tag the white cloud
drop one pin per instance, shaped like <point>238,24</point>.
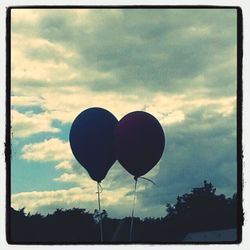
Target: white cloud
<point>114,199</point>
<point>65,104</point>
<point>28,68</point>
<point>71,101</point>
<point>49,150</point>
<point>74,197</point>
<point>54,66</point>
<point>171,118</point>
<point>24,125</point>
<point>81,179</point>
<point>26,101</point>
<point>33,200</point>
<point>25,16</point>
<point>66,165</point>
<point>47,71</point>
<point>171,109</point>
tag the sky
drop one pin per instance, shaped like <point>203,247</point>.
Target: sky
<point>177,64</point>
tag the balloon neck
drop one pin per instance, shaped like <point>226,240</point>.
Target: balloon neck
<point>135,178</point>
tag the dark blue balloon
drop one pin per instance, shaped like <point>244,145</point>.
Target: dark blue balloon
<point>139,142</point>
<point>91,139</point>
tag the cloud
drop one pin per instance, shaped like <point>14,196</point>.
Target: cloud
<point>177,64</point>
<point>26,101</point>
<point>66,165</point>
<point>24,16</point>
<point>201,148</point>
<point>28,67</point>
<point>33,200</point>
<point>52,149</point>
<point>170,65</point>
<point>161,55</point>
<point>166,54</point>
<point>74,197</point>
<point>65,104</point>
<point>80,179</point>
<point>24,125</point>
<point>117,200</point>
<point>171,109</point>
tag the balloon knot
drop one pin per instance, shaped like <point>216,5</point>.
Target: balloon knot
<point>135,178</point>
<point>100,186</point>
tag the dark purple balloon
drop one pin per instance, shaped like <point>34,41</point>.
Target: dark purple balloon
<point>139,142</point>
<point>92,139</point>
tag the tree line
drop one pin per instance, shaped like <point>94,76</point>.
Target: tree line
<point>200,210</point>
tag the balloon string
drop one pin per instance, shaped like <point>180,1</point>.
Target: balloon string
<point>147,179</point>
<point>133,210</point>
<point>99,206</point>
<point>100,186</point>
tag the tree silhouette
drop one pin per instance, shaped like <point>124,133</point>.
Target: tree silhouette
<point>203,210</point>
<point>200,210</point>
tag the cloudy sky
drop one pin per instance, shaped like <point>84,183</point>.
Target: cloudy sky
<point>177,64</point>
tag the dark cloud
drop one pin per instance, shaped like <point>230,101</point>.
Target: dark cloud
<point>162,50</point>
<point>201,148</point>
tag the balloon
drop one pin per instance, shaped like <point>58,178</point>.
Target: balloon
<point>139,142</point>
<point>91,139</point>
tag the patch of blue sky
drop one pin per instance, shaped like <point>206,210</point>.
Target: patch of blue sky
<point>34,175</point>
<point>28,176</point>
<point>64,129</point>
<point>28,109</point>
